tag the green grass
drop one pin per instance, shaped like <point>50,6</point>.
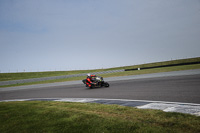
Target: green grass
<point>17,76</point>
<point>62,117</point>
<point>165,63</point>
<point>125,73</point>
<point>47,81</point>
<point>28,75</point>
<point>154,70</point>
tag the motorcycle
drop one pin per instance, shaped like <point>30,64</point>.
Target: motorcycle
<point>97,81</point>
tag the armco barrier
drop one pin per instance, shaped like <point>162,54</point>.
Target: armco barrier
<point>55,77</point>
<point>180,64</point>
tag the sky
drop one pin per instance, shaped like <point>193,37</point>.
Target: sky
<point>54,35</point>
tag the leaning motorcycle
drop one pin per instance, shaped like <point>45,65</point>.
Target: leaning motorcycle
<point>97,81</point>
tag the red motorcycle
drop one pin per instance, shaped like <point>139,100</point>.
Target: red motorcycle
<point>97,81</point>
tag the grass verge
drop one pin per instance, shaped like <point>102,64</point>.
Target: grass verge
<point>29,75</point>
<point>125,73</point>
<point>44,116</point>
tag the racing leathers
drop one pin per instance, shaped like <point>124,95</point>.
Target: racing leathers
<point>89,80</point>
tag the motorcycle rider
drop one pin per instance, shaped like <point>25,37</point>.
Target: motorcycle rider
<point>89,81</point>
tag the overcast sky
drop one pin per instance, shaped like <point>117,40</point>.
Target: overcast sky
<point>44,35</point>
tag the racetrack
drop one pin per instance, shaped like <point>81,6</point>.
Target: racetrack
<point>185,88</point>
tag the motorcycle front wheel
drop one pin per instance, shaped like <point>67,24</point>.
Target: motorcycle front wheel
<point>106,84</point>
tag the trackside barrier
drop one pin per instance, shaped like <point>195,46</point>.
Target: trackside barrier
<point>53,78</point>
<point>180,64</point>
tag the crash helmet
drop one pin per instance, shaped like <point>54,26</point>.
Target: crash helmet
<point>88,74</point>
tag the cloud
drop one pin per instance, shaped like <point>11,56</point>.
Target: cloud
<point>122,33</point>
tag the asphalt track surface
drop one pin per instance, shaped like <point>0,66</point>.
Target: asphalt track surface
<point>184,88</point>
